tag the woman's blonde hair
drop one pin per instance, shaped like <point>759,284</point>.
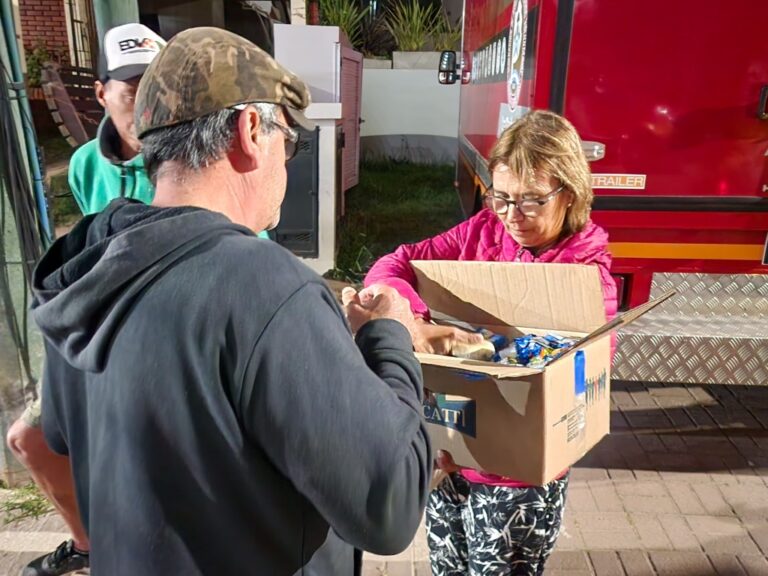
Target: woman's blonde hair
<point>545,142</point>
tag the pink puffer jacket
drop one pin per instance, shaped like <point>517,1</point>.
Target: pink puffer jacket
<point>484,238</point>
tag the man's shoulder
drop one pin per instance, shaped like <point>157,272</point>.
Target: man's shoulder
<point>86,152</point>
<point>258,277</point>
<point>87,161</point>
<point>262,262</point>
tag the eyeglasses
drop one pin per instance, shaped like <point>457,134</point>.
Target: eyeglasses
<point>527,206</point>
<point>291,134</point>
<point>291,139</point>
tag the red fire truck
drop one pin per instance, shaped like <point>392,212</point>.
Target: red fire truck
<point>671,101</point>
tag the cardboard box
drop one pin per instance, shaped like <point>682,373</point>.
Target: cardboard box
<point>525,423</point>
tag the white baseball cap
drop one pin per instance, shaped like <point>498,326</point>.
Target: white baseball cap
<point>127,51</point>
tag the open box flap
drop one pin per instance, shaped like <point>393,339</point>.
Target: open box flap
<point>488,368</point>
<point>620,321</point>
<point>565,297</point>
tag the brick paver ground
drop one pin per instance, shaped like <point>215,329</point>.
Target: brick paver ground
<point>679,488</point>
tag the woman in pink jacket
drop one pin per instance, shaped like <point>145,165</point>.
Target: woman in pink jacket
<point>537,211</point>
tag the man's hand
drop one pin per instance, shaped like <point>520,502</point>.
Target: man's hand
<point>376,302</point>
<point>379,301</point>
<point>436,339</point>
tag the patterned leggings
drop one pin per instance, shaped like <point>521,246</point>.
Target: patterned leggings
<point>480,530</point>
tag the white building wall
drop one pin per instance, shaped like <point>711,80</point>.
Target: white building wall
<point>408,115</point>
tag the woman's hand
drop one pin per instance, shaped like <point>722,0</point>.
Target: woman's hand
<point>436,339</point>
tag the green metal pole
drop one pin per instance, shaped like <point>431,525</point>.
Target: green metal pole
<point>13,381</point>
<point>28,136</point>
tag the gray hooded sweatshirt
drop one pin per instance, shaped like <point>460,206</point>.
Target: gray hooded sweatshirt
<point>219,416</point>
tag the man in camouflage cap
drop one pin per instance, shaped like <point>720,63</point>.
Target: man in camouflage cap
<point>219,416</point>
<point>206,72</point>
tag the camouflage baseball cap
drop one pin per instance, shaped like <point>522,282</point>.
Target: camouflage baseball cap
<point>205,70</point>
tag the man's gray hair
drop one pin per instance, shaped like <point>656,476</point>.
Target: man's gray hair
<point>198,143</point>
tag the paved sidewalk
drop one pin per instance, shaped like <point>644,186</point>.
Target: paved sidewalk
<point>679,488</point>
<point>26,540</point>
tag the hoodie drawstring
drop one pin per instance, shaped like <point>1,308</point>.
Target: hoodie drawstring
<point>123,176</point>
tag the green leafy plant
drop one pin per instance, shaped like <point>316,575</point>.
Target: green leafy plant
<point>412,24</point>
<point>347,15</point>
<point>446,35</point>
<point>25,502</point>
<point>36,58</point>
<point>353,264</point>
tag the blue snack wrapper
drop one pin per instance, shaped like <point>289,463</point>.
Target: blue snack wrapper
<point>556,341</point>
<point>527,348</point>
<point>531,350</point>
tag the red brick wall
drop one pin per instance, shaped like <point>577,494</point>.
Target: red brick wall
<point>44,22</point>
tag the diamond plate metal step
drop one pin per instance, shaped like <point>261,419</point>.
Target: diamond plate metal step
<point>715,331</point>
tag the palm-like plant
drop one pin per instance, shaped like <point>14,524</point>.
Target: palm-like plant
<point>347,15</point>
<point>446,35</point>
<point>375,37</point>
<point>412,24</point>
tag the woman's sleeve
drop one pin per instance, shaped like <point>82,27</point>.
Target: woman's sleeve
<point>610,295</point>
<point>395,269</point>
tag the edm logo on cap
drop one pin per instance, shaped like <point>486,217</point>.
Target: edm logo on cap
<point>132,44</point>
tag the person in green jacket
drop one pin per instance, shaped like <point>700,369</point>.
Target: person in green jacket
<point>110,166</point>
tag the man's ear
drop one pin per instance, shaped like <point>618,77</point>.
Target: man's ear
<point>99,89</point>
<point>250,136</point>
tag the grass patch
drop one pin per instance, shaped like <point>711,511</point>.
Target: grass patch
<point>65,209</point>
<point>25,502</point>
<point>394,203</point>
<point>55,149</point>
